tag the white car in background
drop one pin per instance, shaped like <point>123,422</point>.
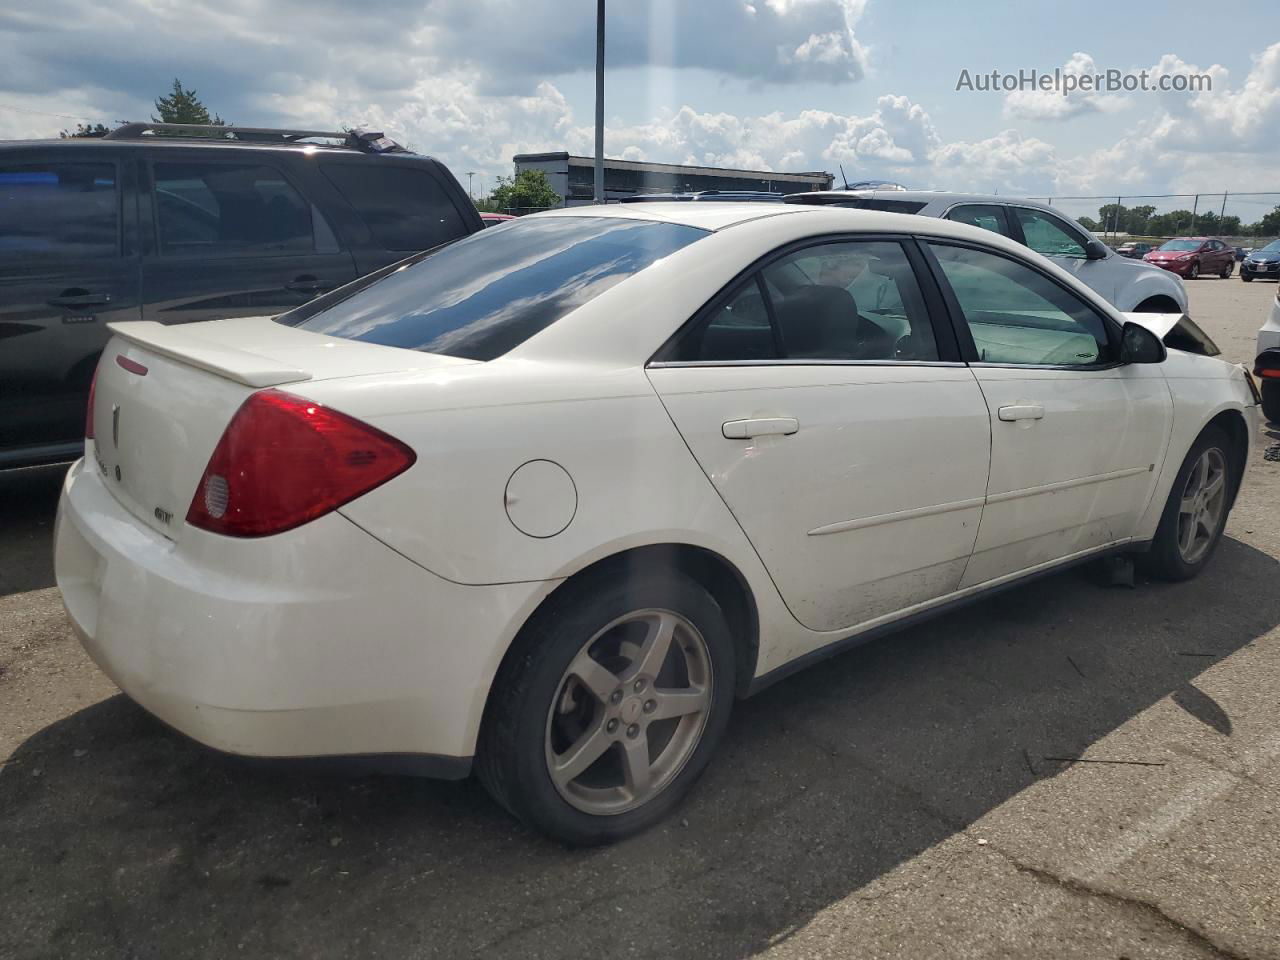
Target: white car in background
<point>545,501</point>
<point>1130,285</point>
<point>1268,363</point>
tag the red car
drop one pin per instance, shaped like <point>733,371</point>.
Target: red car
<point>493,219</point>
<point>1189,257</point>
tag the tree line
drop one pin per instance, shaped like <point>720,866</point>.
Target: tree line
<point>1143,221</point>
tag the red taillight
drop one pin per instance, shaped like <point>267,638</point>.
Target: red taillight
<point>283,461</point>
<point>88,416</point>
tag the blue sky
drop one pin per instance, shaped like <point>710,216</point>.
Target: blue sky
<point>782,84</point>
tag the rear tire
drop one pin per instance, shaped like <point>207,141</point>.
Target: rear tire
<point>1271,400</point>
<point>1196,512</point>
<point>1226,271</point>
<point>594,733</point>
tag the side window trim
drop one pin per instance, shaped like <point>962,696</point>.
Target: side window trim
<point>943,328</point>
<point>960,326</point>
<point>147,197</point>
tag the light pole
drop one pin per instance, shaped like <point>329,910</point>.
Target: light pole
<point>599,166</point>
<point>470,174</point>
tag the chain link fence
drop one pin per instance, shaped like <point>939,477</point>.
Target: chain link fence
<point>1240,219</point>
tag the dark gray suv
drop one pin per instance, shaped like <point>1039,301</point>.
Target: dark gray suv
<point>176,224</point>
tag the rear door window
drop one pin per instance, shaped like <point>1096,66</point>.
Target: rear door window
<point>405,208</point>
<point>69,210</point>
<point>225,210</point>
<point>489,292</point>
<point>988,216</point>
<point>1049,236</point>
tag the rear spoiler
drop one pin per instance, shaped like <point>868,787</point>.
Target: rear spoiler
<point>183,343</point>
<point>1178,331</point>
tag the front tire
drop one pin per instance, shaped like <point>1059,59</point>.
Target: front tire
<point>1245,277</point>
<point>609,707</point>
<point>1195,514</point>
<point>1194,272</point>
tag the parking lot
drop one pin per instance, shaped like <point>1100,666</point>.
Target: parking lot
<point>1065,770</point>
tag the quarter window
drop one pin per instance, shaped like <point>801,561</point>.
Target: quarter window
<point>229,210</point>
<point>67,210</point>
<point>1047,235</point>
<point>1017,315</point>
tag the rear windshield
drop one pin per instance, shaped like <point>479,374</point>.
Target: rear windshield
<point>489,292</point>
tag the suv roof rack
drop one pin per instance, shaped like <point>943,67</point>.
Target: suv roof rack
<point>702,195</point>
<point>363,140</point>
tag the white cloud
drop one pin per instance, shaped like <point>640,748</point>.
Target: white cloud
<point>448,78</point>
<point>1054,105</point>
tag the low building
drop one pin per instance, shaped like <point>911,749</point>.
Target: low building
<point>573,178</point>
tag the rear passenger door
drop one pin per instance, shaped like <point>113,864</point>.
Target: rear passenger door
<point>403,204</point>
<point>68,267</point>
<point>836,422</point>
<point>232,236</point>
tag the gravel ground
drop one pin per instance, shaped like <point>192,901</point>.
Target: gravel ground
<point>1066,770</point>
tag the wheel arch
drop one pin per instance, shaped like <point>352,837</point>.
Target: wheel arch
<point>1232,423</point>
<point>719,576</point>
<point>1158,303</point>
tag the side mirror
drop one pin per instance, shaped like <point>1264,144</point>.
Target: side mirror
<point>1140,345</point>
<point>1095,250</point>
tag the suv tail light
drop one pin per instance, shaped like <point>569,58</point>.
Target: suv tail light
<point>88,416</point>
<point>283,461</point>
<point>1267,364</point>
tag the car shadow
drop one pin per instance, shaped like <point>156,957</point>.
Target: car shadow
<point>125,839</point>
<point>28,503</point>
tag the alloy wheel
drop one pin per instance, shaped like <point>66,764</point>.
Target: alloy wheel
<point>629,712</point>
<point>1203,505</point>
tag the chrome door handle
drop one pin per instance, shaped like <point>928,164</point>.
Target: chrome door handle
<point>1022,411</point>
<point>766,427</point>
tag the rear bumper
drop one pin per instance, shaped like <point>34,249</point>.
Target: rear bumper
<point>319,642</point>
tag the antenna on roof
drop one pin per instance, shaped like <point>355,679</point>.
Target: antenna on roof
<point>842,176</point>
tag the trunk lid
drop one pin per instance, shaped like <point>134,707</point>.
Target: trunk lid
<point>165,394</point>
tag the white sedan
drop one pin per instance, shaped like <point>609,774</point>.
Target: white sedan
<point>543,502</point>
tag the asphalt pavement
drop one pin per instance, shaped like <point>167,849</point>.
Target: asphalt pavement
<point>1065,770</point>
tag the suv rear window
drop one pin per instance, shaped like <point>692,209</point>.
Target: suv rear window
<point>489,292</point>
<point>59,209</point>
<point>404,208</point>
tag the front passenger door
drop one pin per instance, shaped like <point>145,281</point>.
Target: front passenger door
<point>839,428</point>
<point>1075,435</point>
